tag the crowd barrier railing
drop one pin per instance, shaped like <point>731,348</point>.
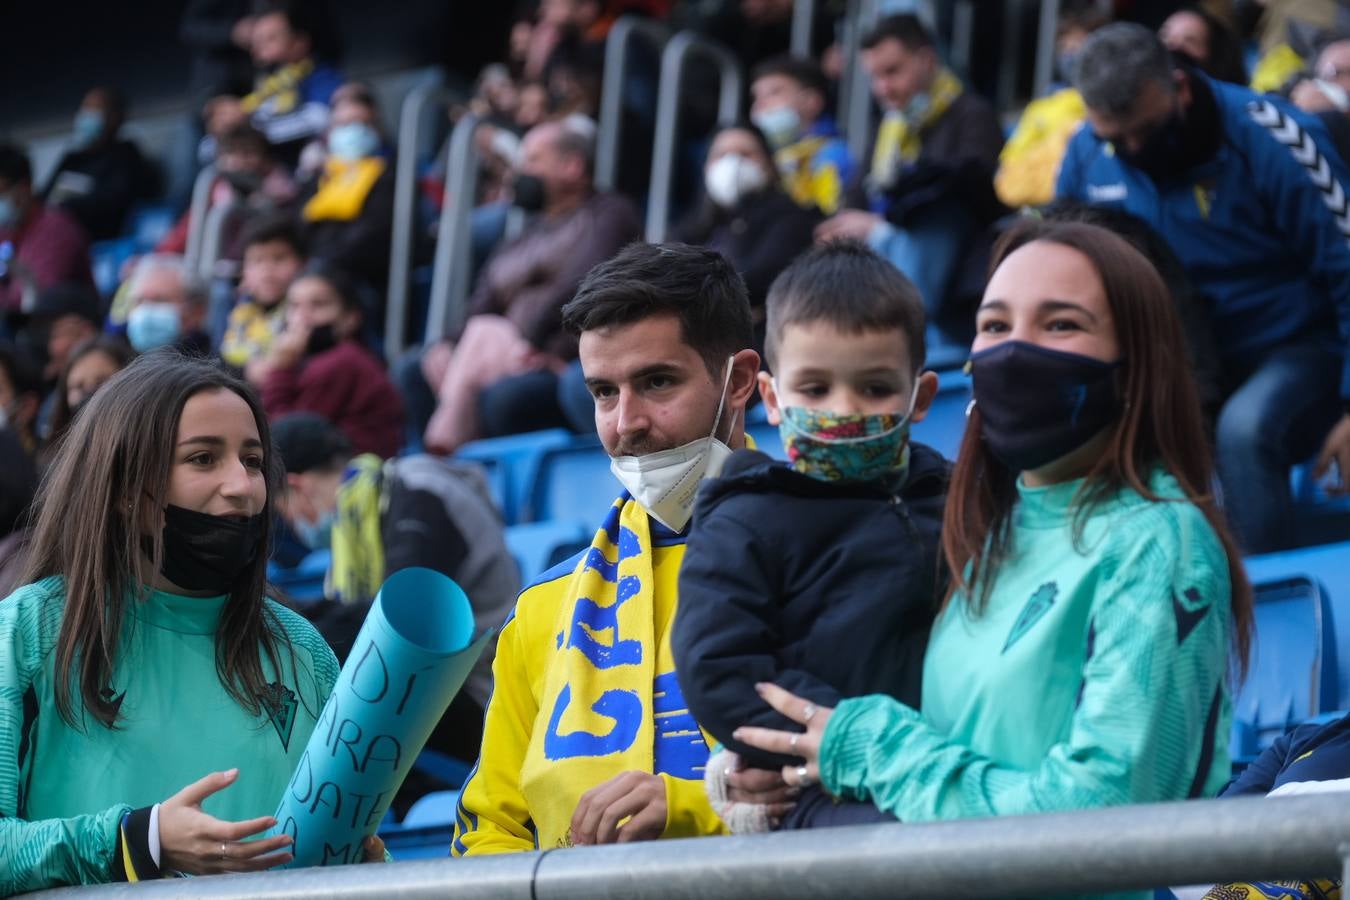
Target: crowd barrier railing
<point>609,128</point>
<point>1117,849</point>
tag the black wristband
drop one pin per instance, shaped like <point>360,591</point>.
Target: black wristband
<point>131,859</point>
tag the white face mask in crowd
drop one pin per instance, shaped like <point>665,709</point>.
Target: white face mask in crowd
<point>733,177</point>
<point>665,483</point>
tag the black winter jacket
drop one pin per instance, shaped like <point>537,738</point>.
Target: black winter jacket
<point>825,589</point>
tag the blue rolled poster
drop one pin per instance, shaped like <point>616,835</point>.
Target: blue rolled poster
<point>411,657</point>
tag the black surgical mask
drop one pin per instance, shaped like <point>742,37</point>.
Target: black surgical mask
<point>1160,156</point>
<point>243,181</point>
<point>208,553</point>
<point>528,192</point>
<point>1038,405</point>
<point>321,338</point>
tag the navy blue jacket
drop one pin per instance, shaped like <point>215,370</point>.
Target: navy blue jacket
<point>1308,753</point>
<point>825,589</point>
<point>1253,228</point>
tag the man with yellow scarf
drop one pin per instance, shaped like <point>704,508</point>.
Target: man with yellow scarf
<point>931,184</point>
<point>587,738</point>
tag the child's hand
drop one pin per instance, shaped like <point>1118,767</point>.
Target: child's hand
<point>791,743</point>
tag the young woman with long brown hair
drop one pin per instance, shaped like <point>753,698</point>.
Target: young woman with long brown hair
<point>143,652</point>
<point>1082,657</point>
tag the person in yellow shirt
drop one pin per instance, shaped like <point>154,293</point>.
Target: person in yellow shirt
<point>274,256</point>
<point>587,737</point>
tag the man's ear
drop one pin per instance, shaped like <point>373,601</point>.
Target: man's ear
<point>744,377</point>
<point>772,409</point>
<point>1183,88</point>
<point>923,400</point>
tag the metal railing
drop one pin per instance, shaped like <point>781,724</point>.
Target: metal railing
<point>1118,849</point>
<point>201,202</point>
<point>609,130</point>
<point>412,117</point>
<point>803,22</point>
<point>857,92</point>
<point>450,272</point>
<point>213,239</point>
<point>677,54</point>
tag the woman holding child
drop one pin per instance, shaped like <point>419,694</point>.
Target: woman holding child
<point>1082,654</point>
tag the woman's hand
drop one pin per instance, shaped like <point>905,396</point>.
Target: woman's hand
<point>791,743</point>
<point>193,842</point>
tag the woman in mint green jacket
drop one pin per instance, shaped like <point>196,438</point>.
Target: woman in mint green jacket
<point>144,654</point>
<point>1082,657</point>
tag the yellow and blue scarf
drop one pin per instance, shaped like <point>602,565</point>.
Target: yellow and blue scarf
<point>281,88</point>
<point>597,715</point>
<point>343,189</point>
<point>357,570</point>
<point>899,138</point>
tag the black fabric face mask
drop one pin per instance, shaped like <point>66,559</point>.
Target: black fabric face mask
<point>1037,405</point>
<point>207,553</point>
<point>321,338</point>
<point>528,192</point>
<point>1184,141</point>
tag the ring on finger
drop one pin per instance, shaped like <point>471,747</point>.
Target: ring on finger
<point>223,854</point>
<point>803,777</point>
<point>792,741</point>
<point>808,711</point>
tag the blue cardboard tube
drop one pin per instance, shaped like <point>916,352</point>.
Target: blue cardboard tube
<point>411,657</point>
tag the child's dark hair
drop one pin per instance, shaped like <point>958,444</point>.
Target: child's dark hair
<point>851,287</point>
<point>274,228</point>
<point>804,71</point>
<point>348,291</point>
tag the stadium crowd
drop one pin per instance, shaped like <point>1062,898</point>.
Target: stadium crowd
<point>1146,272</point>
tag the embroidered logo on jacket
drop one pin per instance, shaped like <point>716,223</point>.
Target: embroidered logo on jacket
<point>279,705</point>
<point>1033,612</point>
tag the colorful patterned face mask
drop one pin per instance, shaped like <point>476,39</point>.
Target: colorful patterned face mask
<point>855,447</point>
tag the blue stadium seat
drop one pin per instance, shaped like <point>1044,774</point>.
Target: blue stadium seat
<point>106,258</point>
<point>1329,566</point>
<point>436,808</point>
<point>574,484</point>
<point>539,546</point>
<point>427,829</point>
<point>304,583</point>
<point>148,223</point>
<point>445,769</point>
<point>1293,670</point>
<point>516,458</point>
<point>945,423</point>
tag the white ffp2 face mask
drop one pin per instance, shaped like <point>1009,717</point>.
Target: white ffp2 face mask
<point>665,483</point>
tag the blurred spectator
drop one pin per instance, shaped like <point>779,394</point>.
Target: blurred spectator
<point>348,213</point>
<point>249,178</point>
<point>166,306</point>
<point>1030,159</point>
<point>87,367</point>
<point>515,323</point>
<point>1208,41</point>
<point>18,484</point>
<point>274,255</point>
<point>220,35</point>
<point>535,105</point>
<point>39,245</point>
<point>756,30</point>
<point>220,115</point>
<point>65,315</point>
<point>496,99</point>
<point>380,517</point>
<point>319,365</point>
<point>1327,93</point>
<point>20,397</point>
<point>931,185</point>
<point>293,87</point>
<point>101,176</point>
<point>791,99</point>
<point>746,216</point>
<point>1211,167</point>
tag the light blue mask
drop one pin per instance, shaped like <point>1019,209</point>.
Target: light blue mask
<point>88,128</point>
<point>316,535</point>
<point>353,141</point>
<point>9,212</point>
<point>780,125</point>
<point>153,325</point>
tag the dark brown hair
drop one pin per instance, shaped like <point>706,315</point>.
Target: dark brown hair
<point>100,509</point>
<point>1160,426</point>
<point>115,348</point>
